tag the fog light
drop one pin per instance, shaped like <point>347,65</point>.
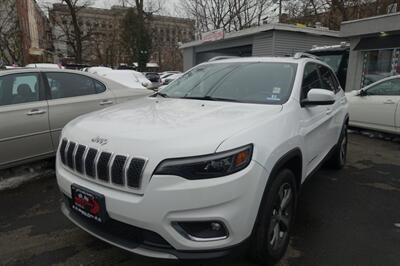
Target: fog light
<point>202,231</point>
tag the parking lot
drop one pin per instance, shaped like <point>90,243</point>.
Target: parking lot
<point>350,217</point>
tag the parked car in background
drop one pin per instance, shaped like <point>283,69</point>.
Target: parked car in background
<point>209,164</point>
<point>171,78</point>
<point>44,65</point>
<point>35,104</point>
<point>336,56</point>
<point>376,106</point>
<point>154,78</point>
<point>129,78</point>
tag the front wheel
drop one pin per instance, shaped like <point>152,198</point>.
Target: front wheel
<point>271,233</point>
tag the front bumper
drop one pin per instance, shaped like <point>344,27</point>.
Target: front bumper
<point>233,200</point>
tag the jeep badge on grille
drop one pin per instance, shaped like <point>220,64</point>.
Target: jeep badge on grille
<point>101,141</point>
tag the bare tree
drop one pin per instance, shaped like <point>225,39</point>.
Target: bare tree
<point>10,34</point>
<point>71,31</point>
<point>332,12</point>
<point>226,14</point>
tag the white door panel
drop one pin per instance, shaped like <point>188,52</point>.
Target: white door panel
<point>314,125</point>
<point>375,112</point>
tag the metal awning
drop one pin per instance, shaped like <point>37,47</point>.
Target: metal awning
<point>377,43</point>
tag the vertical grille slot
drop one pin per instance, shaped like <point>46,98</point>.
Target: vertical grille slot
<point>134,173</point>
<point>62,150</point>
<point>89,162</point>
<point>79,158</point>
<point>70,154</point>
<point>117,170</point>
<point>102,166</point>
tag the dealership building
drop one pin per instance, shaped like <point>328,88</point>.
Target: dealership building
<point>266,40</point>
<point>375,49</point>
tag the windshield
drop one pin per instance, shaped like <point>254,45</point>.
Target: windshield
<point>332,60</point>
<point>261,82</point>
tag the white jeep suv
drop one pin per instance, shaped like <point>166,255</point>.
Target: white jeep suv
<point>212,163</point>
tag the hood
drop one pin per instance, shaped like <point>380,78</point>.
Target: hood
<point>158,127</point>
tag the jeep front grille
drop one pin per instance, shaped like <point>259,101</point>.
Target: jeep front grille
<point>105,167</point>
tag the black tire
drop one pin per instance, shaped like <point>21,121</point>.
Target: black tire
<point>339,156</point>
<point>271,232</point>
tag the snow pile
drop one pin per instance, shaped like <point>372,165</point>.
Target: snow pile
<point>15,177</point>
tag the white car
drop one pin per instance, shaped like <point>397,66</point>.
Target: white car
<point>377,106</point>
<point>128,78</point>
<point>213,162</point>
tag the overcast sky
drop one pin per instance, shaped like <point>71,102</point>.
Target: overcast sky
<point>168,4</point>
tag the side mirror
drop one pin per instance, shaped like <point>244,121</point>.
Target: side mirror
<point>145,84</point>
<point>363,93</point>
<point>318,97</point>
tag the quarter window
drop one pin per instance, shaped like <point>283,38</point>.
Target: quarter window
<point>65,85</point>
<point>19,88</point>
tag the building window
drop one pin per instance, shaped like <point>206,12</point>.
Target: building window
<point>379,64</point>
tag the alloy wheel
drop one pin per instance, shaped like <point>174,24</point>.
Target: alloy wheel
<point>281,219</point>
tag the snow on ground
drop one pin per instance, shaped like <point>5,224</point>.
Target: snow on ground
<point>15,177</point>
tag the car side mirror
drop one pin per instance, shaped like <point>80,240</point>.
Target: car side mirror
<point>363,93</point>
<point>318,97</point>
<point>145,84</point>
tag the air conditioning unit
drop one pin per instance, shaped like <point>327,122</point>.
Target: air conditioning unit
<point>392,8</point>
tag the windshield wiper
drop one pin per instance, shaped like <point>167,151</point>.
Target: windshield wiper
<point>210,98</point>
<point>160,94</point>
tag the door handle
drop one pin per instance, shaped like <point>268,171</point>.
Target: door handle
<point>328,111</point>
<point>343,101</point>
<point>389,102</point>
<point>35,112</point>
<point>106,102</point>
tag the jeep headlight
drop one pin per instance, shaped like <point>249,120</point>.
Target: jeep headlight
<point>207,166</point>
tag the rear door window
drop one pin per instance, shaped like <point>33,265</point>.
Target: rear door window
<point>66,85</point>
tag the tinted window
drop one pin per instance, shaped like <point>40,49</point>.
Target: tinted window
<point>64,85</point>
<point>262,82</point>
<point>390,87</point>
<point>99,87</point>
<point>332,60</point>
<point>19,88</point>
<point>328,79</point>
<point>311,80</point>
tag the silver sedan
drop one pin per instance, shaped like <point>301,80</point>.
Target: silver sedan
<point>35,104</point>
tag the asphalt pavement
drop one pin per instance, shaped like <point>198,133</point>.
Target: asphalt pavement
<point>347,217</point>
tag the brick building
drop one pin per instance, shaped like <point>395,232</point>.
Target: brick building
<point>36,37</point>
<point>26,35</point>
<point>101,31</point>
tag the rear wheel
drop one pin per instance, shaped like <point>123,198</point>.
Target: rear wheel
<point>271,233</point>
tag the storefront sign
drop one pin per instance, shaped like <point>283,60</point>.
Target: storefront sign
<point>213,35</point>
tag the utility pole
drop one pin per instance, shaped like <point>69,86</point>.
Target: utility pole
<point>280,10</point>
